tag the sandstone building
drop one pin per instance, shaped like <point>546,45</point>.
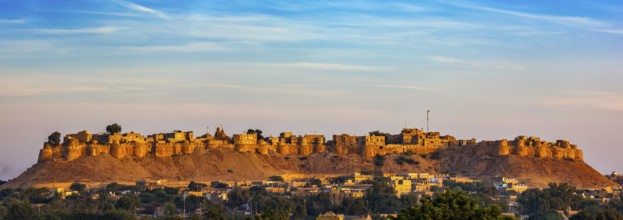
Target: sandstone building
<point>409,140</point>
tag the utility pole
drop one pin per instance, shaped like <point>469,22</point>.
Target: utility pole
<point>427,129</point>
<point>184,195</point>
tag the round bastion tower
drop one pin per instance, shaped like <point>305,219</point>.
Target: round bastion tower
<point>503,148</point>
<point>542,150</point>
<point>117,151</point>
<point>46,153</point>
<point>520,146</point>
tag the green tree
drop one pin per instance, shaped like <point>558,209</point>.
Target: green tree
<point>128,202</point>
<point>598,213</point>
<point>113,128</point>
<point>238,197</point>
<point>193,186</point>
<point>275,178</point>
<point>170,209</point>
<point>450,205</point>
<point>20,210</point>
<point>354,206</point>
<point>543,202</point>
<point>275,207</point>
<point>318,204</point>
<point>54,138</point>
<point>256,131</point>
<point>117,215</point>
<point>546,214</point>
<point>313,182</point>
<point>379,161</point>
<point>381,197</point>
<point>214,211</point>
<point>105,202</point>
<point>78,187</point>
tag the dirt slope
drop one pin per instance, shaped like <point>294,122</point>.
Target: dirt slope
<point>230,165</point>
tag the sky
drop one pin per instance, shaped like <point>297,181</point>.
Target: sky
<point>485,69</point>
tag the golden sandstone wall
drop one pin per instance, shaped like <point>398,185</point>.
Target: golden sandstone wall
<point>74,148</point>
<point>531,147</point>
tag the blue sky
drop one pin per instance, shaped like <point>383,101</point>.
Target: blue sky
<point>485,69</point>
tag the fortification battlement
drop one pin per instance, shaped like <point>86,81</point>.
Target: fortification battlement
<point>529,147</point>
<point>409,140</point>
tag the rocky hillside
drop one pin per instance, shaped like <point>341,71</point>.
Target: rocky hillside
<point>230,165</point>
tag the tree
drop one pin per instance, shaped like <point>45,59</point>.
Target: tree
<point>78,187</point>
<point>598,213</point>
<point>193,186</point>
<point>381,197</point>
<point>20,210</point>
<point>275,207</point>
<point>450,205</point>
<point>128,202</point>
<point>379,161</point>
<point>313,182</point>
<point>3,212</point>
<point>238,197</point>
<point>214,211</point>
<point>54,138</point>
<point>543,202</point>
<point>170,209</point>
<point>354,206</point>
<point>113,128</point>
<point>275,178</point>
<point>256,131</point>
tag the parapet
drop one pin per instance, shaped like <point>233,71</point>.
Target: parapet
<point>533,146</point>
<point>183,143</point>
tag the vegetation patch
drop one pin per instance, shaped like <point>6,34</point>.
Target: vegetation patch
<point>405,160</point>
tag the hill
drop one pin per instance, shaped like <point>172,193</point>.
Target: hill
<point>227,164</point>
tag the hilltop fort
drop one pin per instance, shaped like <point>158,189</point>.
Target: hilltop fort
<point>182,156</point>
<point>409,140</point>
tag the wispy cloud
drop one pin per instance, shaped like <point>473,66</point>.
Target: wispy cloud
<point>140,8</point>
<point>597,100</point>
<point>190,47</point>
<point>449,60</point>
<point>408,87</point>
<point>566,20</point>
<point>90,12</point>
<point>296,90</point>
<point>325,66</point>
<point>96,30</point>
<point>23,87</point>
<point>13,21</point>
<point>612,31</point>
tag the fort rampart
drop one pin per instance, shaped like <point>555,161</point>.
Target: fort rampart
<point>178,143</point>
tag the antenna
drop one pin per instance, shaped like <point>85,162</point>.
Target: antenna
<point>427,129</point>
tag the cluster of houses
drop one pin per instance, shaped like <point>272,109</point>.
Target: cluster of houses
<point>355,185</point>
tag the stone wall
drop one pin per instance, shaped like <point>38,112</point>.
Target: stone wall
<point>183,143</point>
<point>46,153</point>
<point>531,147</point>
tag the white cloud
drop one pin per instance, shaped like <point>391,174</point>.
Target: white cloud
<point>190,47</point>
<point>408,87</point>
<point>325,66</point>
<point>566,20</point>
<point>96,30</point>
<point>596,100</point>
<point>449,60</point>
<point>612,31</point>
<point>12,21</point>
<point>22,87</point>
<point>141,8</point>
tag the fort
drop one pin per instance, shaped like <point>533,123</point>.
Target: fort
<point>409,140</point>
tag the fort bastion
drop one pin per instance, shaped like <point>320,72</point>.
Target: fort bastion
<point>409,140</point>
